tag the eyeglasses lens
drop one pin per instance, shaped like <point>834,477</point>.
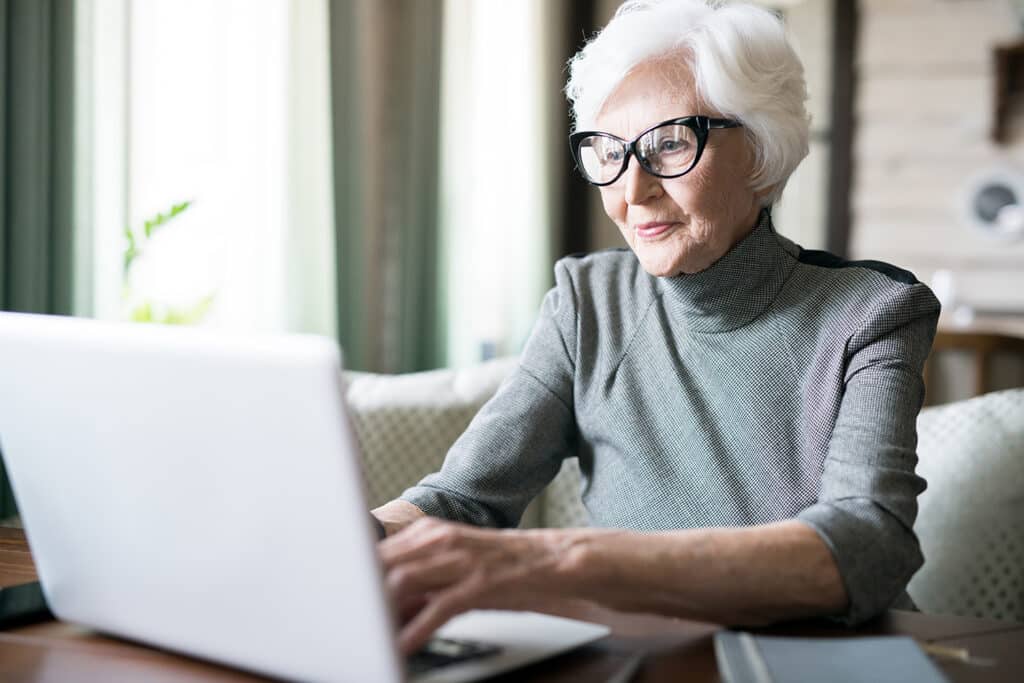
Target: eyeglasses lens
<point>668,150</point>
<point>601,157</point>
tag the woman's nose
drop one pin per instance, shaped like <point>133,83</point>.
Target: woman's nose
<point>640,185</point>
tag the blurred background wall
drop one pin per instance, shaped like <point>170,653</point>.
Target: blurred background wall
<point>938,159</point>
<point>925,112</point>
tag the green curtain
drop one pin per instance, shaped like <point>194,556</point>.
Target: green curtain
<point>36,165</point>
<point>386,84</point>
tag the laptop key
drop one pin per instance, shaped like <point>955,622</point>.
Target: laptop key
<point>439,652</point>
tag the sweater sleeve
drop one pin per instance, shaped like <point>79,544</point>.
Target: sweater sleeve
<point>867,502</point>
<point>516,443</point>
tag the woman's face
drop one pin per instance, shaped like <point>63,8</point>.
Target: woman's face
<point>685,224</point>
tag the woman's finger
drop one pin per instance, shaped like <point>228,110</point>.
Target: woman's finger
<point>439,609</point>
<point>409,608</point>
<point>410,579</point>
<point>423,538</point>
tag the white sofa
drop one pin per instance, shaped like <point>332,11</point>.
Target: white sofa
<point>971,521</point>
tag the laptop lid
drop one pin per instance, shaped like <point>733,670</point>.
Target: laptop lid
<point>196,491</point>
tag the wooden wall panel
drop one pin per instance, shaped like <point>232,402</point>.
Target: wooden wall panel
<point>923,113</point>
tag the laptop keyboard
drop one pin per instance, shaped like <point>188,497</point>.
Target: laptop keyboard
<point>440,652</point>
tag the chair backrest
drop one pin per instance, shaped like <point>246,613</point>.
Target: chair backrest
<point>406,423</point>
<point>971,517</point>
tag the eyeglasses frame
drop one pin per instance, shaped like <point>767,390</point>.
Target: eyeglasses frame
<point>700,125</point>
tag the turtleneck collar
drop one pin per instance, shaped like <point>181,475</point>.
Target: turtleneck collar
<point>738,287</point>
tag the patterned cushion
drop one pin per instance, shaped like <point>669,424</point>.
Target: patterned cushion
<point>971,519</point>
<point>406,423</point>
<point>561,505</point>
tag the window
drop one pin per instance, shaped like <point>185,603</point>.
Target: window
<point>223,105</point>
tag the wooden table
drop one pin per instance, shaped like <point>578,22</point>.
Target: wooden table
<point>676,649</point>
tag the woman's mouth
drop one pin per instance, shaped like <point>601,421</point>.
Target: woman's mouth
<point>646,231</point>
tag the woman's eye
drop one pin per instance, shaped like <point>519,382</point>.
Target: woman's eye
<point>669,146</point>
<point>612,156</point>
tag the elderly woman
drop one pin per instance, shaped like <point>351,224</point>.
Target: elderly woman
<point>743,409</point>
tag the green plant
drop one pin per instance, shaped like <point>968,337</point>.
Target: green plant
<point>147,311</point>
<point>149,227</point>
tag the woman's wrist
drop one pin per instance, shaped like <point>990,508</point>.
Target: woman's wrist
<point>577,561</point>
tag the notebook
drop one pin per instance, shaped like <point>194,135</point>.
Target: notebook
<point>748,658</point>
<point>201,492</point>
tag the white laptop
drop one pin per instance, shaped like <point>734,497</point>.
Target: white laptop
<point>201,492</point>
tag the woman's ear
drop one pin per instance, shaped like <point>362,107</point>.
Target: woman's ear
<point>764,195</point>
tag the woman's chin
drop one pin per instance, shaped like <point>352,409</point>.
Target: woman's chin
<point>661,264</point>
<point>659,269</point>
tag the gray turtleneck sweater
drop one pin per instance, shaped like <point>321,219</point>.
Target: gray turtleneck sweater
<point>779,383</point>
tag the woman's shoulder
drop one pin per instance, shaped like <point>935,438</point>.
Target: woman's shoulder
<point>858,270</point>
<point>866,278</point>
<point>859,293</point>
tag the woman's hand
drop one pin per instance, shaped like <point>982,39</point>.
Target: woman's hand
<point>737,575</point>
<point>436,570</point>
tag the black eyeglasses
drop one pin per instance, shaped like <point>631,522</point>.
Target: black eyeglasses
<point>668,150</point>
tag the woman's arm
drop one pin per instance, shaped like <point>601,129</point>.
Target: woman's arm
<point>753,575</point>
<point>746,575</point>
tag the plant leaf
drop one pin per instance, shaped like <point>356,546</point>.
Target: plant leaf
<point>143,313</point>
<point>131,251</point>
<point>149,226</point>
<point>189,316</point>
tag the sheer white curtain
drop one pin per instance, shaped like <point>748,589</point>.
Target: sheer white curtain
<point>224,104</point>
<point>498,95</point>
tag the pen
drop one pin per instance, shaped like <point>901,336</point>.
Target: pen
<point>954,654</point>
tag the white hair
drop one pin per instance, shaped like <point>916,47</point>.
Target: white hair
<point>742,64</point>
